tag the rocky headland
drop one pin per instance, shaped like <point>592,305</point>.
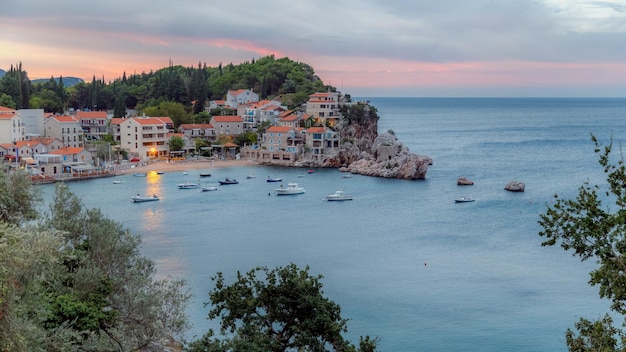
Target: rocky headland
<point>365,152</point>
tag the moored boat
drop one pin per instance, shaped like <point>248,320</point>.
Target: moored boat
<point>292,188</point>
<point>188,185</point>
<point>141,199</point>
<point>338,196</point>
<point>139,175</point>
<point>209,188</point>
<point>228,181</point>
<point>274,179</point>
<point>464,199</point>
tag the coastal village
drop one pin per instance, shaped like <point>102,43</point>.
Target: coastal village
<point>54,147</point>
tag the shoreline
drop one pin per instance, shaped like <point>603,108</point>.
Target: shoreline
<point>182,165</point>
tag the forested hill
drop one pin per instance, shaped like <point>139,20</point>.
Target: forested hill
<point>190,87</point>
<point>67,81</point>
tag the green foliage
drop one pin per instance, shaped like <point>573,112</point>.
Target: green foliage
<point>589,229</point>
<point>7,101</point>
<point>357,113</point>
<point>106,298</point>
<point>176,143</point>
<point>275,310</point>
<point>246,138</point>
<point>18,197</point>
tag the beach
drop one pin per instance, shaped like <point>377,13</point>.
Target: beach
<point>180,165</point>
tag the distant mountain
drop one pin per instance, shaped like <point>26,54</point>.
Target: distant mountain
<point>67,81</point>
<point>2,72</point>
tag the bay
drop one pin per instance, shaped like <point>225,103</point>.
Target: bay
<point>403,261</point>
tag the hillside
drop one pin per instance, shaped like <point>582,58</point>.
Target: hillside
<point>67,81</point>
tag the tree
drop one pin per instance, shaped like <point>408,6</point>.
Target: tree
<point>176,143</point>
<point>106,298</point>
<point>18,197</point>
<point>591,230</point>
<point>284,310</point>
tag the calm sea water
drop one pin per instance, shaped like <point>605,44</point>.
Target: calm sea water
<point>403,260</point>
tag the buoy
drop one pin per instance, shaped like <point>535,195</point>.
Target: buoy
<point>425,263</point>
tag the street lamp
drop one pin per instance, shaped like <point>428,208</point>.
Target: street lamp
<point>16,153</point>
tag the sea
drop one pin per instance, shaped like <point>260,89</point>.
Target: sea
<point>404,261</point>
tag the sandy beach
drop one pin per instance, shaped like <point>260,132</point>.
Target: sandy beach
<point>180,165</point>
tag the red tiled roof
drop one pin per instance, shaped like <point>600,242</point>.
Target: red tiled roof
<point>189,126</point>
<point>91,114</point>
<point>227,118</point>
<point>279,129</point>
<point>5,110</point>
<point>64,118</point>
<point>316,130</point>
<point>116,121</point>
<point>67,151</point>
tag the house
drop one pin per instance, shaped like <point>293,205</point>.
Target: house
<point>11,125</point>
<point>284,138</point>
<point>65,128</point>
<point>93,123</point>
<point>292,119</point>
<point>324,107</point>
<point>145,137</point>
<point>241,96</point>
<point>215,104</point>
<point>255,113</point>
<point>204,131</point>
<point>227,125</point>
<point>114,129</point>
<point>74,162</point>
<point>320,141</point>
<point>33,122</point>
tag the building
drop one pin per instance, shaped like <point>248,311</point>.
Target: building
<point>204,131</point>
<point>292,119</point>
<point>283,138</point>
<point>227,125</point>
<point>114,129</point>
<point>65,128</point>
<point>324,107</point>
<point>11,125</point>
<point>145,137</point>
<point>33,122</point>
<point>241,96</point>
<point>94,124</point>
<point>321,141</point>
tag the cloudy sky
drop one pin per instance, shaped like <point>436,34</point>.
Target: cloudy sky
<point>363,47</point>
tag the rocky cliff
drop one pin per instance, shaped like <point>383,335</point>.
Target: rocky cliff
<point>363,151</point>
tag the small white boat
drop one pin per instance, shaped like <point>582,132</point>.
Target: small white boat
<point>142,199</point>
<point>274,179</point>
<point>250,176</point>
<point>292,188</point>
<point>117,182</point>
<point>337,196</point>
<point>185,173</point>
<point>347,175</point>
<point>208,188</point>
<point>464,199</point>
<point>139,175</point>
<point>205,174</point>
<point>188,185</point>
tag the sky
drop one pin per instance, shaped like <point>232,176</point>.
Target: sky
<point>365,48</point>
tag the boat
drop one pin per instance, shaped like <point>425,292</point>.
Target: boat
<point>205,174</point>
<point>188,185</point>
<point>228,181</point>
<point>139,175</point>
<point>117,182</point>
<point>274,179</point>
<point>251,176</point>
<point>347,175</point>
<point>208,188</point>
<point>310,171</point>
<point>464,199</point>
<point>338,196</point>
<point>141,199</point>
<point>160,172</point>
<point>292,188</point>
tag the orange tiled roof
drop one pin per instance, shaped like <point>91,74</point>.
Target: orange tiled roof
<point>64,118</point>
<point>5,110</point>
<point>227,118</point>
<point>279,129</point>
<point>91,114</point>
<point>67,151</point>
<point>316,130</point>
<point>188,126</point>
<point>116,121</point>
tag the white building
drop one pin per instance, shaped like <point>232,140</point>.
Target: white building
<point>145,137</point>
<point>11,125</point>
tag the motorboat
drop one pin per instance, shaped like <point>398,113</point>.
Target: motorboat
<point>117,182</point>
<point>274,179</point>
<point>228,181</point>
<point>310,171</point>
<point>464,199</point>
<point>205,174</point>
<point>139,175</point>
<point>188,185</point>
<point>141,199</point>
<point>208,188</point>
<point>347,175</point>
<point>337,196</point>
<point>250,176</point>
<point>292,188</point>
